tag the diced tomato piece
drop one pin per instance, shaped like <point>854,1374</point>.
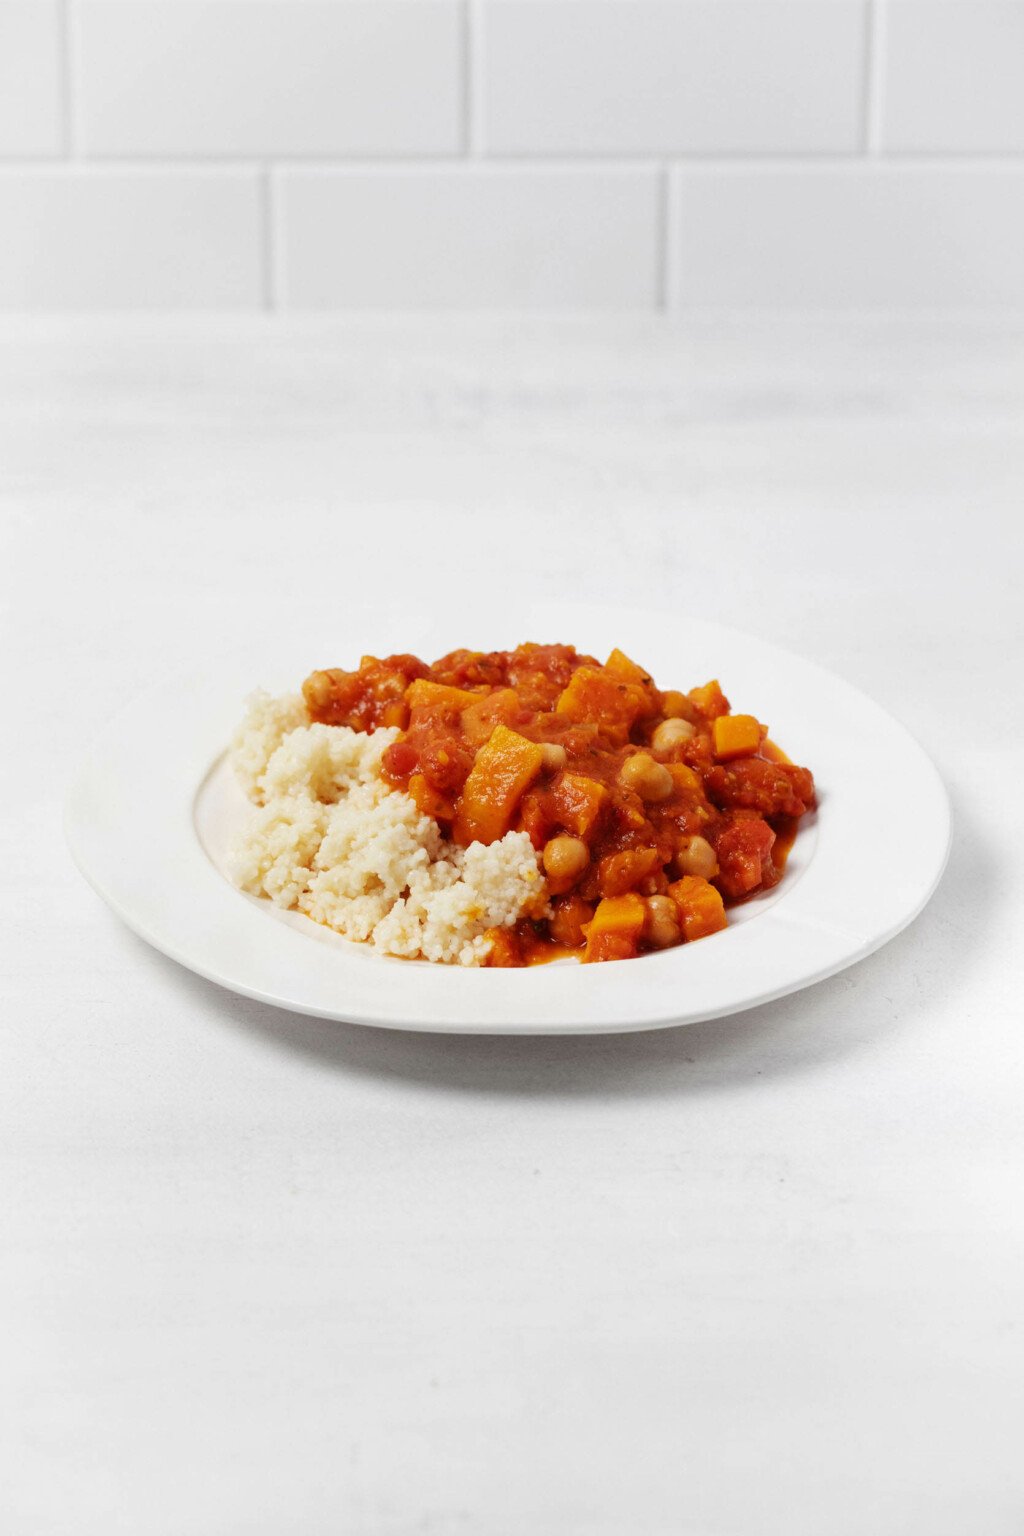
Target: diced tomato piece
<point>770,789</point>
<point>744,852</point>
<point>399,760</point>
<point>468,669</point>
<point>554,663</point>
<point>445,761</point>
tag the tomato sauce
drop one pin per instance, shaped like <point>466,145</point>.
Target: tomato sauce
<point>652,810</point>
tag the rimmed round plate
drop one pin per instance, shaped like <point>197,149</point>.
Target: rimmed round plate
<point>152,813</point>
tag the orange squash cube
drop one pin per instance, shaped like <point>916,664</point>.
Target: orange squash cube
<point>735,736</point>
<point>504,768</point>
<point>686,781</point>
<point>428,799</point>
<point>615,928</point>
<point>592,694</point>
<point>576,802</point>
<point>675,704</point>
<point>488,710</point>
<point>620,666</point>
<point>621,872</point>
<point>610,946</point>
<point>437,697</point>
<point>709,700</point>
<point>618,914</point>
<point>701,908</point>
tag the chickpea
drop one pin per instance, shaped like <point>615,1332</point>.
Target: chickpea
<point>318,690</point>
<point>565,857</point>
<point>670,733</point>
<point>661,922</point>
<point>697,857</point>
<point>648,779</point>
<point>554,757</point>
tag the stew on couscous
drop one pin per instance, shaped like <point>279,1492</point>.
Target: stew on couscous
<point>652,811</point>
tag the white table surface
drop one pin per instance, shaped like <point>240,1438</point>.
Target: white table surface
<point>261,1274</point>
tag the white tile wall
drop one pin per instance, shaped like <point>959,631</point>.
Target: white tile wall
<point>511,153</point>
<point>452,237</point>
<point>270,77</point>
<point>31,109</point>
<point>100,237</point>
<point>613,76</point>
<point>954,76</point>
<point>849,236</point>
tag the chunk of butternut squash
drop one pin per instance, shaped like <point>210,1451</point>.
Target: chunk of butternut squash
<point>576,802</point>
<point>709,700</point>
<point>504,768</point>
<point>592,694</point>
<point>686,781</point>
<point>614,931</point>
<point>435,698</point>
<point>488,710</point>
<point>620,666</point>
<point>676,705</point>
<point>735,736</point>
<point>429,800</point>
<point>701,908</point>
<point>621,872</point>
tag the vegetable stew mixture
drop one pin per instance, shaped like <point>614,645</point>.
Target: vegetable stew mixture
<point>652,810</point>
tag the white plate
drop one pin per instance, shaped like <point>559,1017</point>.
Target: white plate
<point>152,811</point>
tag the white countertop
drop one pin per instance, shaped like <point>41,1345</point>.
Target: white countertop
<point>262,1274</point>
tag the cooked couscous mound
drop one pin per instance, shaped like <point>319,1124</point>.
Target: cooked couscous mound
<point>332,839</point>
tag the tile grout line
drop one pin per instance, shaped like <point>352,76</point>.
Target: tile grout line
<point>874,66</point>
<point>156,165</point>
<point>839,162</point>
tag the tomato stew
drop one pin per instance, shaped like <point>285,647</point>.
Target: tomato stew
<point>652,810</point>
